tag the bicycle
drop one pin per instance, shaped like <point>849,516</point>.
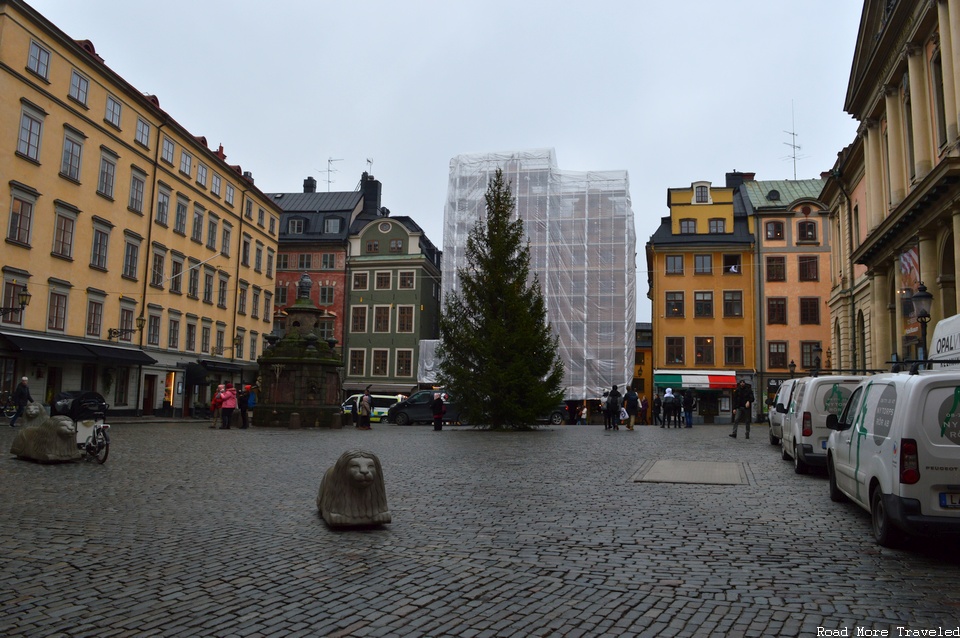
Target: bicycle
<point>87,410</point>
<point>7,405</point>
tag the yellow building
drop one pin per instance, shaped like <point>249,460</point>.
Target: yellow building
<point>148,259</point>
<point>702,278</point>
<point>893,191</point>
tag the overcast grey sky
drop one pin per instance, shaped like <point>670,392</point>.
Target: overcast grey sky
<point>672,92</point>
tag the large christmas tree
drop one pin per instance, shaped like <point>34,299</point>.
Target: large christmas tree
<point>497,352</point>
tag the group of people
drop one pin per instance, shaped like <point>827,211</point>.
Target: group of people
<point>628,409</point>
<point>227,400</point>
<point>674,410</point>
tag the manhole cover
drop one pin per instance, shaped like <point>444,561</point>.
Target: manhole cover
<point>696,472</point>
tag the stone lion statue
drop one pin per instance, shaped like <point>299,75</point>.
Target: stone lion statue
<point>352,492</point>
<point>44,438</point>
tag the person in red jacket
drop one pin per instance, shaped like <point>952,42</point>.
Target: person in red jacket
<point>229,405</point>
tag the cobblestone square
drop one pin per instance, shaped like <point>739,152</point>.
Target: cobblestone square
<point>187,531</point>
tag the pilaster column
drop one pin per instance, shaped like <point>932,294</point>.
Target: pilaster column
<point>947,45</point>
<point>927,240</point>
<point>896,161</point>
<point>920,112</point>
<point>953,20</point>
<point>876,203</point>
<point>880,325</point>
<point>955,218</point>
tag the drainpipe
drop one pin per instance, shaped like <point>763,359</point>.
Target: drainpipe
<point>147,265</point>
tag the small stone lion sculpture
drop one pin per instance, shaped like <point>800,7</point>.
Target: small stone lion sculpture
<point>44,438</point>
<point>352,493</point>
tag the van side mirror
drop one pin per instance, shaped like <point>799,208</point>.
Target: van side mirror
<point>834,423</point>
<point>781,409</point>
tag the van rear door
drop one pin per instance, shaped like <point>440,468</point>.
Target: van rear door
<point>937,436</point>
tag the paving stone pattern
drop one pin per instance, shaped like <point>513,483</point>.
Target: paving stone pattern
<point>187,531</point>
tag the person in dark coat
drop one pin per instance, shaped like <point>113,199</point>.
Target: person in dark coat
<point>743,400</point>
<point>438,411</point>
<point>689,403</point>
<point>21,397</point>
<point>657,405</point>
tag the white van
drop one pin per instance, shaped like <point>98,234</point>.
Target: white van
<point>381,405</point>
<point>895,451</point>
<point>778,411</point>
<point>804,437</point>
<point>945,344</point>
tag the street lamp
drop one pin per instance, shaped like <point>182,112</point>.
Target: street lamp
<point>817,351</point>
<point>792,367</point>
<point>116,333</point>
<point>922,300</point>
<point>23,298</point>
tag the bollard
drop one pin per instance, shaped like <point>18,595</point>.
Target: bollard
<point>294,421</point>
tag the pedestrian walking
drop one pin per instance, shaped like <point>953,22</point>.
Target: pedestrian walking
<point>644,410</point>
<point>742,398</point>
<point>216,406</point>
<point>21,397</point>
<point>245,402</point>
<point>582,413</point>
<point>612,411</point>
<point>439,409</point>
<point>689,404</point>
<point>366,407</point>
<point>631,402</point>
<point>657,407</point>
<point>671,409</point>
<point>228,406</point>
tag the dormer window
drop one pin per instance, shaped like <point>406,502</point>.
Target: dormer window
<point>295,227</point>
<point>701,193</point>
<point>774,230</point>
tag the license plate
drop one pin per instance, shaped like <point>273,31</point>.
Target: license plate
<point>949,500</point>
<point>823,444</point>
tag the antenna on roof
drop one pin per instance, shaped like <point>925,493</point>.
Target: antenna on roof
<point>369,164</point>
<point>793,144</point>
<point>330,169</point>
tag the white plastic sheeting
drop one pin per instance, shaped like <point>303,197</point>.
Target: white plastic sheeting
<point>582,246</point>
<point>427,366</point>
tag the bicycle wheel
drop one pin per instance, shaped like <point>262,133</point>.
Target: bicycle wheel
<point>9,409</point>
<point>98,447</point>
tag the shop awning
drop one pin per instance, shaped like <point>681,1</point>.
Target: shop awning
<point>123,356</point>
<point>50,348</point>
<point>220,366</point>
<point>695,379</point>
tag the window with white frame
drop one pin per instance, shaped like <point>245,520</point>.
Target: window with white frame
<point>305,261</point>
<point>157,271</point>
<point>126,324</point>
<point>205,339</point>
<point>331,225</point>
<point>295,227</point>
<point>212,225</point>
<point>193,281</point>
<point>216,183</point>
<point>197,232</point>
<point>208,287</point>
<point>38,60</point>
<point>281,292</point>
<point>173,333</point>
<point>267,306</point>
<point>222,293</point>
<point>176,275</point>
<point>225,236</point>
<point>79,87</point>
<point>328,261</point>
<point>406,280</point>
<point>258,257</point>
<point>108,174</point>
<point>404,363</point>
<point>255,304</point>
<point>229,195</point>
<point>163,206</point>
<point>382,280</point>
<point>11,299</point>
<point>260,217</point>
<point>180,218</point>
<point>113,111</point>
<point>242,300</point>
<point>153,330</point>
<point>167,151</point>
<point>202,174</point>
<point>72,154</point>
<point>381,319</point>
<point>381,360</point>
<point>326,295</point>
<point>31,128</point>
<point>142,136</point>
<point>64,227</point>
<point>137,185</point>
<point>191,338</point>
<point>405,319</point>
<point>21,217</point>
<point>357,363</point>
<point>57,313</point>
<point>98,251</point>
<point>94,317</point>
<point>358,319</point>
<point>269,271</point>
<point>186,162</point>
<point>131,258</point>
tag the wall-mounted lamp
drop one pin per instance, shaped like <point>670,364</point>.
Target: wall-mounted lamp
<point>23,298</point>
<point>116,333</point>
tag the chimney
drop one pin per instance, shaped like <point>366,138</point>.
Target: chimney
<point>309,185</point>
<point>248,176</point>
<point>370,188</point>
<point>736,178</point>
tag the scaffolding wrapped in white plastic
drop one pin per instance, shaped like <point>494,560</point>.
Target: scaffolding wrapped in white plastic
<point>582,247</point>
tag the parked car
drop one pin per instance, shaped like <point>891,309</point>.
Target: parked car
<point>895,452</point>
<point>780,408</point>
<point>557,415</point>
<point>381,405</point>
<point>804,436</point>
<point>418,408</point>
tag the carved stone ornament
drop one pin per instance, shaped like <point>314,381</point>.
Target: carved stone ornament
<point>352,492</point>
<point>45,439</point>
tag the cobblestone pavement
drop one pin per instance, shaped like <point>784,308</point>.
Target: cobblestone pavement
<point>187,531</point>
